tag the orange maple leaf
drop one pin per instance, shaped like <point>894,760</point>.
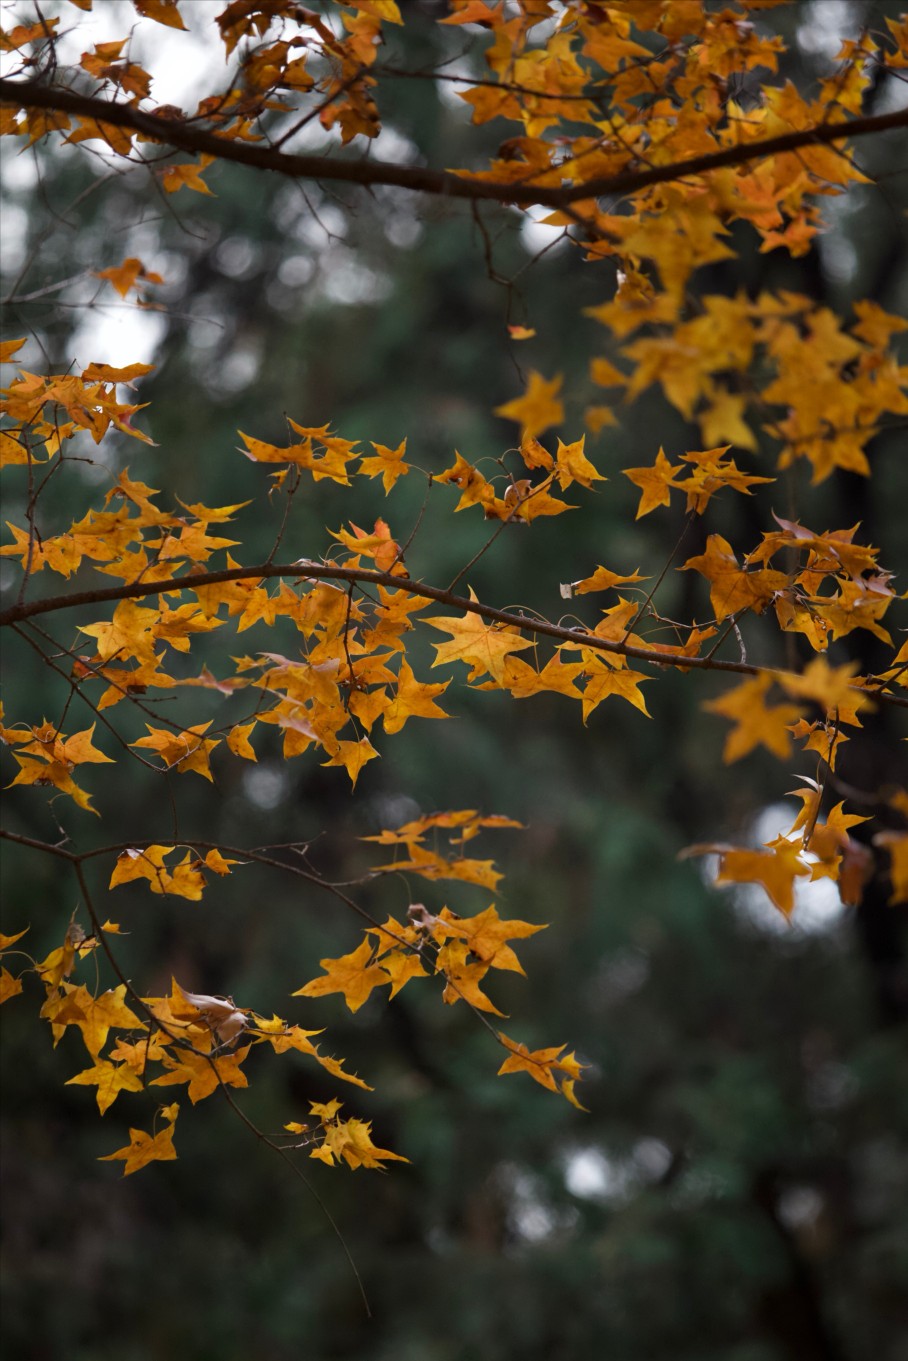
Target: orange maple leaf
<point>110,1079</point>
<point>354,975</point>
<point>774,867</point>
<point>464,976</point>
<point>537,409</point>
<point>412,700</point>
<point>757,724</point>
<point>487,936</point>
<point>202,1072</point>
<point>655,483</point>
<point>482,646</point>
<point>145,1148</point>
<point>387,464</point>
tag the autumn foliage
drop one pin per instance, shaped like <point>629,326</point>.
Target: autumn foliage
<point>645,128</point>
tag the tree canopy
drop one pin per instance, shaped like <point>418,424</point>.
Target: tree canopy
<point>676,150</point>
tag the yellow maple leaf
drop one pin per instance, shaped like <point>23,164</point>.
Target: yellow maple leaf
<point>413,699</point>
<point>654,482</point>
<point>94,1016</point>
<point>537,409</point>
<point>161,11</point>
<point>601,580</point>
<point>572,465</point>
<point>731,588</point>
<point>352,756</point>
<point>110,1079</point>
<point>202,1072</point>
<point>9,348</point>
<point>538,1062</point>
<point>145,1148</point>
<point>188,176</point>
<point>463,976</point>
<point>387,464</point>
<point>832,687</point>
<point>482,646</point>
<point>9,985</point>
<point>184,750</point>
<point>604,680</point>
<point>487,936</point>
<point>774,868</point>
<point>401,966</point>
<point>756,723</point>
<point>353,975</point>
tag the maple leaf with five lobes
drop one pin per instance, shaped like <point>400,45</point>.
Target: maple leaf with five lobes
<point>604,681</point>
<point>387,464</point>
<point>401,966</point>
<point>352,756</point>
<point>487,936</point>
<point>432,866</point>
<point>655,483</point>
<point>724,419</point>
<point>203,1073</point>
<point>145,1148</point>
<point>463,976</point>
<point>188,176</point>
<point>412,700</point>
<point>757,724</point>
<point>127,634</point>
<point>184,880</point>
<point>54,773</point>
<point>537,409</point>
<point>359,1150</point>
<point>354,975</point>
<point>482,646</point>
<point>829,840</point>
<point>709,475</point>
<point>732,589</point>
<point>110,1079</point>
<point>523,680</point>
<point>830,687</point>
<point>149,1049</point>
<point>350,1140</point>
<point>94,1016</point>
<point>774,868</point>
<point>184,750</point>
<point>540,1063</point>
<point>572,465</point>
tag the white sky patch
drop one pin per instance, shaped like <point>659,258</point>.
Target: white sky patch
<point>537,235</point>
<point>119,334</point>
<point>266,786</point>
<point>592,1174</point>
<point>183,66</point>
<point>449,92</point>
<point>824,25</point>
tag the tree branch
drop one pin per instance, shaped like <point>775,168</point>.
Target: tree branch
<point>317,571</point>
<point>186,136</point>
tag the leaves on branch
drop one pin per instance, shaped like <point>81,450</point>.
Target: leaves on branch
<point>628,130</point>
